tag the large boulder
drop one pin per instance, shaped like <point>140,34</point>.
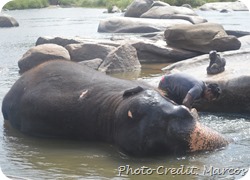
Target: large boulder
<point>136,25</point>
<point>229,6</point>
<point>234,81</point>
<point>157,11</point>
<point>201,38</point>
<point>158,52</point>
<point>173,12</point>
<point>8,21</point>
<point>123,58</point>
<point>87,51</point>
<point>42,53</point>
<point>138,7</point>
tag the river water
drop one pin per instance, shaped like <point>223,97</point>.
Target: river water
<point>23,157</point>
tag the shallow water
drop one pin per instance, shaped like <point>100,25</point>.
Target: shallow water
<point>32,158</point>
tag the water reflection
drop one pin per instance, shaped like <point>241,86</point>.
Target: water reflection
<point>29,156</point>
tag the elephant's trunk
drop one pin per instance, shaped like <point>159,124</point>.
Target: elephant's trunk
<point>204,138</point>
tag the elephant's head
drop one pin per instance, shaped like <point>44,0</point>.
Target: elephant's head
<point>147,123</point>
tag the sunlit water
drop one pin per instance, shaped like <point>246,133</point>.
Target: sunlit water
<point>32,158</point>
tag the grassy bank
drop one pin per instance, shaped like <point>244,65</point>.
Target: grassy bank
<point>26,4</point>
<point>29,4</point>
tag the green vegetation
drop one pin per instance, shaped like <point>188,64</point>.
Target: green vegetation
<point>26,4</point>
<point>122,4</point>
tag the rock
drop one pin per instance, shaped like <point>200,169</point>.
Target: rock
<point>158,11</point>
<point>230,6</point>
<point>39,54</point>
<point>62,41</point>
<point>123,58</point>
<point>201,38</point>
<point>157,52</point>
<point>237,33</point>
<point>173,12</point>
<point>8,21</point>
<point>187,6</point>
<point>159,3</point>
<point>138,7</point>
<point>115,9</point>
<point>93,63</point>
<point>151,48</point>
<point>136,25</point>
<point>87,51</point>
<point>234,81</point>
<point>224,11</point>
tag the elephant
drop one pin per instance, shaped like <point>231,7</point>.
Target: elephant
<point>62,99</point>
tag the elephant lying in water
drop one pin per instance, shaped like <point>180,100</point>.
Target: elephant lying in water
<point>63,99</point>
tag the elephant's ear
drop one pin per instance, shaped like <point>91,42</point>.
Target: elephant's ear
<point>133,91</point>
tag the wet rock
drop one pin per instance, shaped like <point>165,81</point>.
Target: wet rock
<point>224,11</point>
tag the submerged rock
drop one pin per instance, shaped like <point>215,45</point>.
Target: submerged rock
<point>8,21</point>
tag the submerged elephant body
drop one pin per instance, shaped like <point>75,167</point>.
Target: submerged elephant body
<point>66,100</point>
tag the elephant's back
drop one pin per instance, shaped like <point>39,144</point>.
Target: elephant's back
<point>66,75</point>
<point>61,98</point>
